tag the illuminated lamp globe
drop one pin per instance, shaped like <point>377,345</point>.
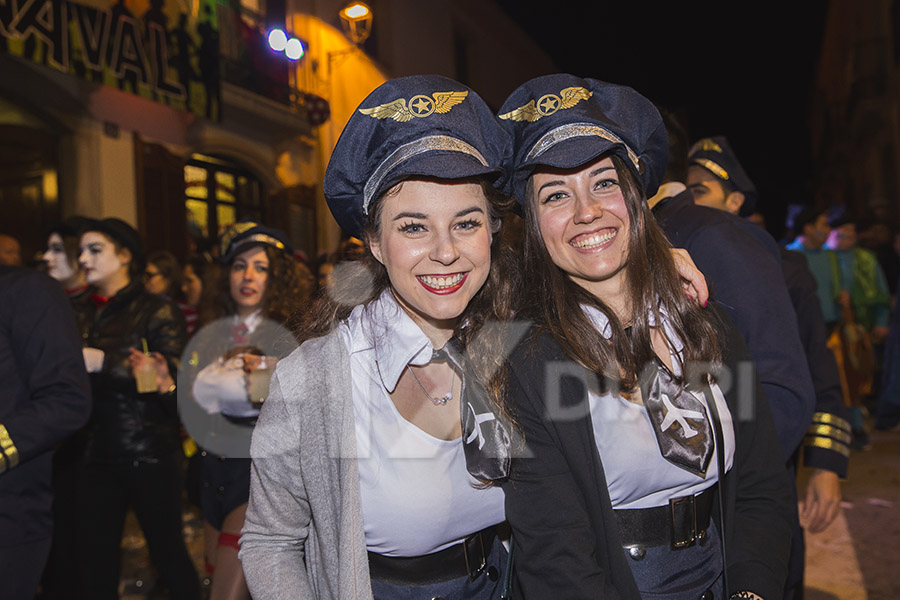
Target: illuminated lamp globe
<point>277,40</point>
<point>294,49</point>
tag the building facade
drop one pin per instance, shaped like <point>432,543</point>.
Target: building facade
<point>178,117</point>
<point>856,109</point>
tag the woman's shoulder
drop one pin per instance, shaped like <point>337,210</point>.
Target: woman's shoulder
<point>535,345</point>
<point>322,355</point>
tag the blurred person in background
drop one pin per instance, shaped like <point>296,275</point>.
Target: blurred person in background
<point>61,261</point>
<point>241,337</point>
<point>163,274</point>
<point>133,459</point>
<point>865,303</point>
<point>10,251</point>
<point>198,271</point>
<point>61,257</point>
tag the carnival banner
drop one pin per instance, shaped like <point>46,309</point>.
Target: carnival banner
<point>163,50</point>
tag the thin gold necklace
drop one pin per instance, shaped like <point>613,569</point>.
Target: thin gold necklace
<point>436,401</point>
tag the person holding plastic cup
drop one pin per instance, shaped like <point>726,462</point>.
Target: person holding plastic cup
<point>133,456</point>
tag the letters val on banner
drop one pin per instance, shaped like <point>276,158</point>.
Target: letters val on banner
<point>146,47</point>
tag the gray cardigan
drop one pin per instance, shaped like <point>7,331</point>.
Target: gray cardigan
<point>303,535</point>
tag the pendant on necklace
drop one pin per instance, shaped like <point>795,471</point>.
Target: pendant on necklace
<point>442,400</point>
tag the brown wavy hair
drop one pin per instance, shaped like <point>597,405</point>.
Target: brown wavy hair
<point>362,281</point>
<point>288,289</point>
<point>653,286</point>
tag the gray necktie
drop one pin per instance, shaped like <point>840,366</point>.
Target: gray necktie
<point>679,420</point>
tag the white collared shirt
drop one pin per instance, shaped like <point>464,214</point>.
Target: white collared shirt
<point>417,496</point>
<point>637,475</point>
<point>221,386</point>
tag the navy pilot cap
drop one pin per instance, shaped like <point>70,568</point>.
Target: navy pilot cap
<point>716,156</point>
<point>245,234</point>
<point>418,126</point>
<point>563,121</point>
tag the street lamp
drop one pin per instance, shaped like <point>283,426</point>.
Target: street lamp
<point>356,19</point>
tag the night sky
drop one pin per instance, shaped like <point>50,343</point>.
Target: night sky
<point>746,73</point>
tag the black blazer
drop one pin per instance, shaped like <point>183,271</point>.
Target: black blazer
<point>567,543</point>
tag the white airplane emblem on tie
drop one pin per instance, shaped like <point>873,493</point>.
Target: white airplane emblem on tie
<point>479,419</point>
<point>680,416</point>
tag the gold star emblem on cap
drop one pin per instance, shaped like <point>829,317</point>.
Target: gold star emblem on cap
<point>548,104</point>
<point>419,106</point>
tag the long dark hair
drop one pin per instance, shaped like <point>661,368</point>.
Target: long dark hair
<point>288,290</point>
<point>654,286</point>
<point>361,281</point>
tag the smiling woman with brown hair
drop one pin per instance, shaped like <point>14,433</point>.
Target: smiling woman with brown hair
<point>642,468</point>
<point>373,382</point>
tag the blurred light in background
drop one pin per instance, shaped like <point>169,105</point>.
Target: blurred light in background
<point>294,49</point>
<point>277,40</point>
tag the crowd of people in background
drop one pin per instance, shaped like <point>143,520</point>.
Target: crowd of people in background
<point>200,336</point>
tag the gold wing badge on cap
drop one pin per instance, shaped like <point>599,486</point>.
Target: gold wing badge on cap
<point>548,104</point>
<point>419,106</point>
<point>705,145</point>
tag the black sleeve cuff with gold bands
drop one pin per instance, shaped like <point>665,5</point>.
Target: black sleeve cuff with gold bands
<point>827,443</point>
<point>8,451</point>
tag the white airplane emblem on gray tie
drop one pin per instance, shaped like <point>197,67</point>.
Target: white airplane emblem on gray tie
<point>680,416</point>
<point>479,419</point>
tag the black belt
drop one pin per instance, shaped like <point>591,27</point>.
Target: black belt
<point>466,559</point>
<point>679,524</point>
<point>242,421</point>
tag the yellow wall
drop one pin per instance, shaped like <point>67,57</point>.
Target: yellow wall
<point>343,75</point>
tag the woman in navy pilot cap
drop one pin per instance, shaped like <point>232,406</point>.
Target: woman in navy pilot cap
<point>652,471</point>
<point>366,469</point>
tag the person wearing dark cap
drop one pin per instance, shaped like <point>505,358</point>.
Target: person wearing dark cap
<point>399,373</point>
<point>717,180</point>
<point>743,263</point>
<point>412,176</point>
<point>241,337</point>
<point>133,452</point>
<point>642,463</point>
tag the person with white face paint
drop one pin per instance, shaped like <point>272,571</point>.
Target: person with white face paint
<point>61,263</point>
<point>133,452</point>
<point>61,256</point>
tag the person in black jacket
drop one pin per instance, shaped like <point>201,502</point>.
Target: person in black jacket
<point>46,397</point>
<point>133,454</point>
<point>651,466</point>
